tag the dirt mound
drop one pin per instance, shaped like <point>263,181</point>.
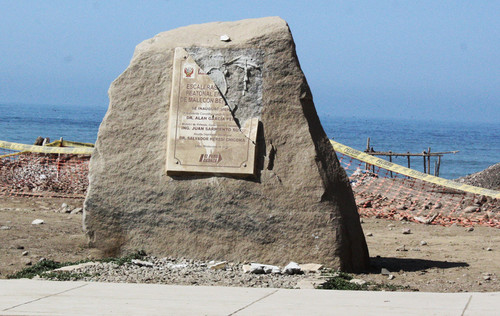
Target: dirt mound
<point>489,178</point>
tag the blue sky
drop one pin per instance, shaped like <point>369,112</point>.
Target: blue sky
<point>435,60</point>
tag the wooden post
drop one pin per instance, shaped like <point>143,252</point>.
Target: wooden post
<point>438,166</point>
<point>367,167</point>
<point>425,164</point>
<point>408,159</point>
<point>429,160</point>
<point>390,159</point>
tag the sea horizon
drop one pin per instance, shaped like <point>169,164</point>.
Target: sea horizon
<point>478,143</point>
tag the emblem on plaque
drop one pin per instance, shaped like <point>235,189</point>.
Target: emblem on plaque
<point>188,71</point>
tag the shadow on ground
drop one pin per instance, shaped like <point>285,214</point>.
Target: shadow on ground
<point>411,265</point>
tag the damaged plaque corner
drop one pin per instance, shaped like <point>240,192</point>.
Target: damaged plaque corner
<point>215,107</point>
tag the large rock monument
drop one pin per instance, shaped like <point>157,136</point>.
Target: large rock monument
<point>212,149</point>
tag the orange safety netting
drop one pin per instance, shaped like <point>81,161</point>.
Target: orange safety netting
<point>378,191</point>
<point>43,174</point>
<point>387,194</point>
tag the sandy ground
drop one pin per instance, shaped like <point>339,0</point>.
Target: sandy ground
<point>60,238</point>
<point>453,259</point>
<point>429,258</point>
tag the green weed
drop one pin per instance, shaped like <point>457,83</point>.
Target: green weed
<point>341,281</point>
<point>41,268</point>
<point>64,276</point>
<point>36,269</point>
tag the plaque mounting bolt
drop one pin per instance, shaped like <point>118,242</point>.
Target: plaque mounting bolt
<point>244,165</point>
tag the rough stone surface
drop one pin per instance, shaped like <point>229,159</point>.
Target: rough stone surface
<point>299,206</point>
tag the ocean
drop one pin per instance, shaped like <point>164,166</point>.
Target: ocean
<point>478,143</point>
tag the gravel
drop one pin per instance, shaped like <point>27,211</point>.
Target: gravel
<point>182,272</point>
<point>489,178</point>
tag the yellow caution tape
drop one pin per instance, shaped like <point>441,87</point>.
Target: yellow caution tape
<point>359,155</point>
<point>11,155</point>
<point>86,149</point>
<point>67,143</point>
<point>76,144</point>
<point>47,149</point>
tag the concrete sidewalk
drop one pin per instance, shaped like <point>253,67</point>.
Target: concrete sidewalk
<point>34,297</point>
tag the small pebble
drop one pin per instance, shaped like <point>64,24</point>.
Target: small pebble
<point>469,229</point>
<point>369,234</point>
<point>25,253</point>
<point>403,248</point>
<point>406,231</point>
<point>37,222</point>
<point>225,38</point>
<point>423,243</point>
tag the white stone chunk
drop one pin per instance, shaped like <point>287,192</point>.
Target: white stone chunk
<point>357,281</point>
<point>218,265</point>
<point>268,269</point>
<point>77,210</point>
<point>292,268</point>
<point>259,268</point>
<point>246,268</point>
<point>142,263</point>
